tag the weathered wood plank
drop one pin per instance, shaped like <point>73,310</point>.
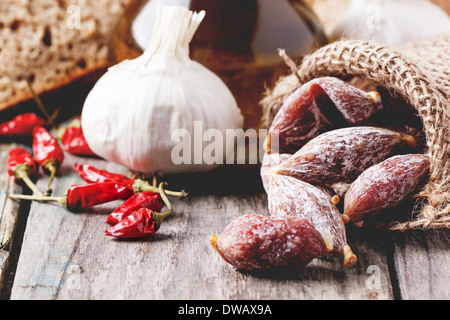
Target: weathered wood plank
<point>50,235</point>
<point>422,260</point>
<point>8,208</point>
<point>67,256</point>
<point>9,215</point>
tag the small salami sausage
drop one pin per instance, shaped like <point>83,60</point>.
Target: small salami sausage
<point>355,106</point>
<point>269,162</point>
<point>320,105</point>
<point>342,155</point>
<point>254,241</point>
<point>385,185</point>
<point>289,196</point>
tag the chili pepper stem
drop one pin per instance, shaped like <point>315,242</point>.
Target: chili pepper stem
<point>50,119</point>
<point>60,200</point>
<point>21,174</point>
<point>159,217</point>
<point>52,169</point>
<point>143,186</point>
<point>53,117</point>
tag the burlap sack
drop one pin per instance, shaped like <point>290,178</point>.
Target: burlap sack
<point>420,73</point>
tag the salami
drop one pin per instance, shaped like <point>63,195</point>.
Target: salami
<point>254,241</point>
<point>271,161</point>
<point>385,185</point>
<point>289,196</point>
<point>341,155</point>
<point>320,105</point>
<point>292,197</point>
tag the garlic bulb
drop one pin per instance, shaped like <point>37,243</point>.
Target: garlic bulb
<point>157,113</point>
<point>391,22</point>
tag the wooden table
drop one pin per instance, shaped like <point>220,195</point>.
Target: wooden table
<point>48,252</point>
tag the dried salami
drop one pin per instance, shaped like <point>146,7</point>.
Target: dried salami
<point>320,105</point>
<point>254,241</point>
<point>270,161</point>
<point>341,155</point>
<point>289,196</point>
<point>385,185</point>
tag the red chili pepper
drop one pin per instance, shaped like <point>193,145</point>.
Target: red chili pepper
<point>142,223</point>
<point>47,153</point>
<point>21,126</point>
<point>22,166</point>
<point>149,200</point>
<point>79,197</point>
<point>19,156</point>
<point>91,174</point>
<point>74,142</point>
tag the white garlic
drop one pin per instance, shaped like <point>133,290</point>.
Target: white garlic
<point>391,22</point>
<point>134,111</point>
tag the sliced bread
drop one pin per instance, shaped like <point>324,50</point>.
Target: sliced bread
<point>51,43</point>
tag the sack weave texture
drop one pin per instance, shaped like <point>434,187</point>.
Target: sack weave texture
<point>420,74</point>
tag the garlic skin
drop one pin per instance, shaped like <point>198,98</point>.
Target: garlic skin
<point>132,112</point>
<point>391,22</point>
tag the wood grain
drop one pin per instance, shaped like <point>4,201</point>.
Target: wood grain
<point>67,255</point>
<point>8,208</point>
<point>9,217</point>
<point>423,264</point>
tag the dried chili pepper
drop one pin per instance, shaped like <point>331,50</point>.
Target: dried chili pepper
<point>79,197</point>
<point>142,223</point>
<point>22,166</point>
<point>148,200</point>
<point>74,142</point>
<point>47,153</point>
<point>21,126</point>
<point>91,174</point>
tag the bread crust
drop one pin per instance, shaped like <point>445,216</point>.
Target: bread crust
<point>36,43</point>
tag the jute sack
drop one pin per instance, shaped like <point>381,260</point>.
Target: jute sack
<point>420,74</point>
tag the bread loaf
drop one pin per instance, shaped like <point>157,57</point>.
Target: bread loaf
<point>52,43</point>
